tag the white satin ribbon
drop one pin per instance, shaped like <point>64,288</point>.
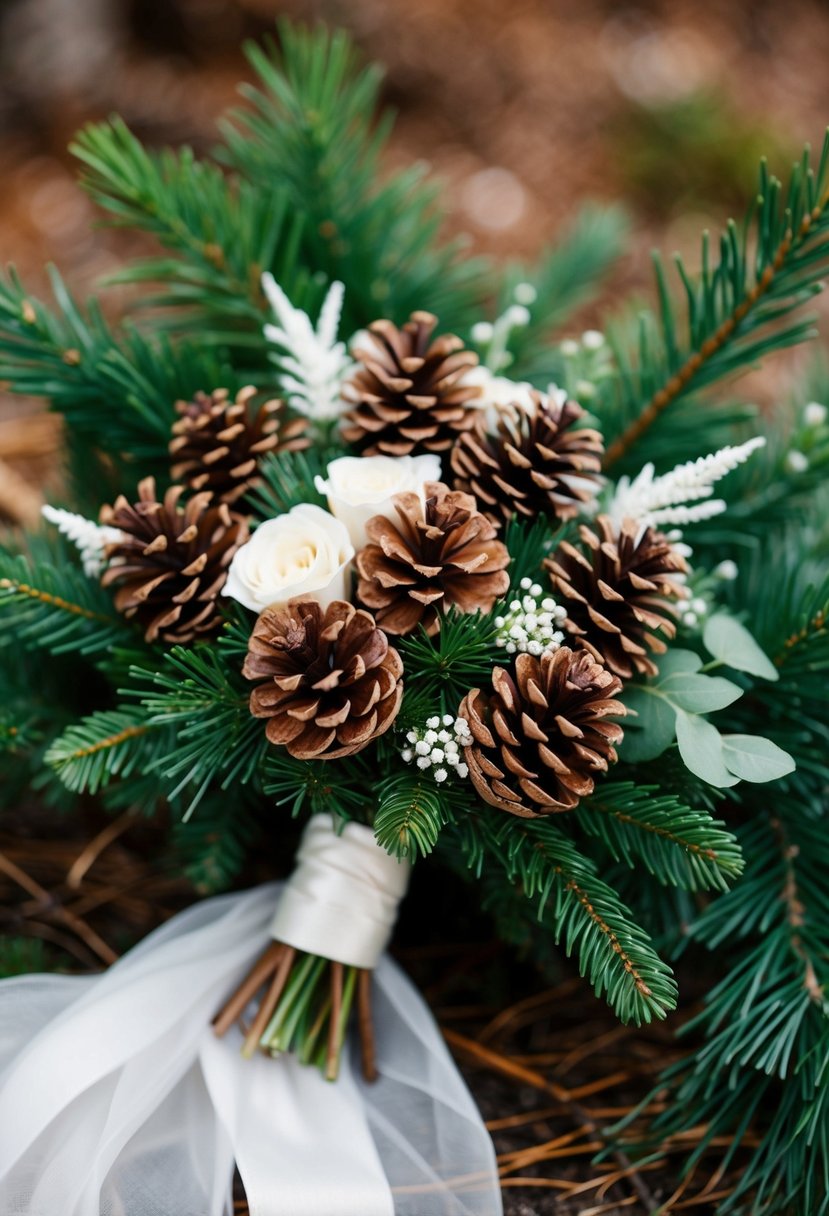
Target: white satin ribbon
<point>341,900</point>
<point>117,1100</point>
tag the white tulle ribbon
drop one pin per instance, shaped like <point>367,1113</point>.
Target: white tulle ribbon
<point>341,900</point>
<point>116,1099</point>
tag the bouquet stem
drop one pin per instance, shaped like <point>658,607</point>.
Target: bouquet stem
<point>305,1008</point>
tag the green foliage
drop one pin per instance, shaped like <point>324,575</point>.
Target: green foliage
<point>288,481</point>
<point>561,889</point>
<point>680,846</point>
<point>441,670</point>
<point>737,310</point>
<point>212,847</point>
<point>762,1059</point>
<point>221,233</point>
<point>310,129</point>
<point>214,737</point>
<point>565,276</point>
<point>344,789</point>
<point>104,745</point>
<point>56,608</point>
<point>116,391</point>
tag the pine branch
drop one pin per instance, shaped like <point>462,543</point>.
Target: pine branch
<point>213,846</point>
<point>311,128</point>
<point>223,233</point>
<point>681,847</point>
<point>90,753</point>
<point>561,889</point>
<point>56,608</point>
<point>411,811</point>
<point>737,311</point>
<point>117,392</point>
<point>214,738</point>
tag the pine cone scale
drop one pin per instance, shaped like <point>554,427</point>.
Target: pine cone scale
<point>537,739</point>
<point>217,443</point>
<point>441,553</point>
<point>327,680</point>
<point>406,393</point>
<point>621,604</point>
<point>537,462</point>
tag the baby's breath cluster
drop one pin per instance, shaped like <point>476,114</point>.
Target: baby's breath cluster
<point>532,623</point>
<point>439,746</point>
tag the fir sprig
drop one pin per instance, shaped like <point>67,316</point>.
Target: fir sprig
<point>737,311</point>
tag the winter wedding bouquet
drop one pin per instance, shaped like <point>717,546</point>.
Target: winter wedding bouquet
<point>432,584</point>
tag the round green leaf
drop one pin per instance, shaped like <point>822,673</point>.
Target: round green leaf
<point>701,747</point>
<point>754,758</point>
<point>699,694</point>
<point>731,643</point>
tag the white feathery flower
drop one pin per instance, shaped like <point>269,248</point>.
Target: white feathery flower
<point>88,537</point>
<point>657,501</point>
<point>314,365</point>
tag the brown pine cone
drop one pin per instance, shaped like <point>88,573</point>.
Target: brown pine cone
<point>540,736</point>
<point>329,680</point>
<point>536,464</point>
<point>171,562</point>
<point>440,554</point>
<point>407,394</point>
<point>217,443</point>
<point>618,599</point>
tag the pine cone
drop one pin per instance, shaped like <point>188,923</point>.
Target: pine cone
<point>217,444</point>
<point>618,600</point>
<point>440,554</point>
<point>171,562</point>
<point>407,393</point>
<point>536,463</point>
<point>332,682</point>
<point>539,738</point>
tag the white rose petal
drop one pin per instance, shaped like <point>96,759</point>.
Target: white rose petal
<point>360,487</point>
<point>305,553</point>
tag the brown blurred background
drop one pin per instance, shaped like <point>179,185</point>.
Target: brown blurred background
<point>524,108</point>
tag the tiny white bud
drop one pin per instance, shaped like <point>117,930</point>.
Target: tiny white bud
<point>441,774</point>
<point>699,606</point>
<point>525,293</point>
<point>438,755</point>
<point>727,570</point>
<point>689,619</point>
<point>585,389</point>
<point>463,770</point>
<point>592,339</point>
<point>518,314</point>
<point>448,719</point>
<point>796,462</point>
<point>481,332</point>
<point>814,414</point>
<point>422,747</point>
<point>423,762</point>
<point>407,754</point>
<point>569,348</point>
<point>433,723</point>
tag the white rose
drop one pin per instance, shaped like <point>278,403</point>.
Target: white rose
<point>304,553</point>
<point>360,487</point>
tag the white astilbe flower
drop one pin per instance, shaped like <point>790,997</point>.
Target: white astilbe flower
<point>314,364</point>
<point>438,747</point>
<point>88,537</point>
<point>683,496</point>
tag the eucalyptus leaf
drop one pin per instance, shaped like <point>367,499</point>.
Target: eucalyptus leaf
<point>675,661</point>
<point>753,758</point>
<point>698,694</point>
<point>652,730</point>
<point>701,747</point>
<point>731,643</point>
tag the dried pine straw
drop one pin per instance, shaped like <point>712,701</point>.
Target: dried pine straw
<point>551,1072</point>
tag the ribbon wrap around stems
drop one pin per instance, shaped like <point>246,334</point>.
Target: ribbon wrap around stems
<point>341,900</point>
<point>116,1098</point>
